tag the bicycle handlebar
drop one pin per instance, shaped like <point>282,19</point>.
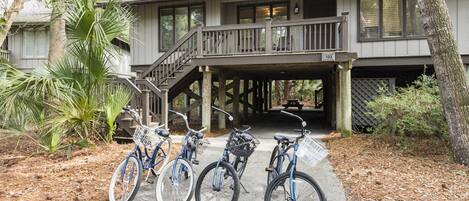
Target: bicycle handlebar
<point>303,123</point>
<point>184,117</point>
<point>225,112</point>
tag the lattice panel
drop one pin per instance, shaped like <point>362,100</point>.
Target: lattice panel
<point>364,90</point>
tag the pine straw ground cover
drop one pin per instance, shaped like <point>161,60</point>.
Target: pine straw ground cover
<point>26,174</point>
<point>374,168</point>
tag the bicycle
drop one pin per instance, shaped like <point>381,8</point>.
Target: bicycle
<point>220,180</point>
<point>297,181</point>
<point>154,140</point>
<point>176,179</point>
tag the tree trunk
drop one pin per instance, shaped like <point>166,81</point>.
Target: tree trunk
<point>57,36</point>
<point>450,72</point>
<point>277,92</point>
<point>287,89</point>
<point>10,16</point>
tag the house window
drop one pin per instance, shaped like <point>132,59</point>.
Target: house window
<point>35,44</point>
<point>257,13</point>
<point>176,21</point>
<point>389,19</point>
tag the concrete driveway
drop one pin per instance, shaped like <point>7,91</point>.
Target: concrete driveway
<point>254,179</point>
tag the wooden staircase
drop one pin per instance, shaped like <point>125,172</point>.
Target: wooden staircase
<point>163,80</point>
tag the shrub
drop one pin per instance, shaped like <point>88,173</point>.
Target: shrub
<point>415,110</point>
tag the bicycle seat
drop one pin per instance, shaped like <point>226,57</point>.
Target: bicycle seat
<point>283,138</point>
<point>162,132</point>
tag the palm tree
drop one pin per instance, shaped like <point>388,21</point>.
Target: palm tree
<point>74,96</point>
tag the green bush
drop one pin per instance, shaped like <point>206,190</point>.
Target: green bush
<point>415,110</point>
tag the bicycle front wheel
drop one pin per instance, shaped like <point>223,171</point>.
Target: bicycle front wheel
<point>304,188</point>
<point>126,180</point>
<point>176,181</point>
<point>217,183</point>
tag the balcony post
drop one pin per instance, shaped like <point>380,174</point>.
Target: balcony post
<point>268,35</point>
<point>200,46</point>
<point>344,32</point>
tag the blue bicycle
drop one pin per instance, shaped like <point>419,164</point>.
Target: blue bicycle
<point>151,152</point>
<point>176,180</point>
<point>284,181</point>
<point>220,180</point>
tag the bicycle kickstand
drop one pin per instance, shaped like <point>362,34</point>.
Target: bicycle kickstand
<point>244,187</point>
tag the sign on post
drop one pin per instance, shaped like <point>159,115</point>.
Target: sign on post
<point>328,56</point>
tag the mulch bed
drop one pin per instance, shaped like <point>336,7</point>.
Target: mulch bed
<point>26,174</point>
<point>373,168</point>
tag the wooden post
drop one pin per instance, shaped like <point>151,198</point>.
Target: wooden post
<point>245,98</point>
<point>338,103</point>
<point>164,107</point>
<point>254,96</point>
<point>261,97</point>
<point>199,82</point>
<point>221,99</point>
<point>206,97</point>
<point>200,44</point>
<point>268,35</point>
<point>266,104</point>
<point>270,94</point>
<point>146,107</point>
<point>187,100</point>
<point>346,96</point>
<point>344,32</point>
<point>236,100</point>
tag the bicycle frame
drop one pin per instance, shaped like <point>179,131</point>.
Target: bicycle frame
<point>138,153</point>
<point>185,153</point>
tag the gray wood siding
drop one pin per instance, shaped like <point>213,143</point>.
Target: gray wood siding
<point>399,48</point>
<point>16,45</point>
<point>144,43</point>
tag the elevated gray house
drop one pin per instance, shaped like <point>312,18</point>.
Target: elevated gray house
<point>351,45</point>
<point>27,44</point>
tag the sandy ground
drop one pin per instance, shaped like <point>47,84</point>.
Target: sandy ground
<point>377,169</point>
<point>26,174</point>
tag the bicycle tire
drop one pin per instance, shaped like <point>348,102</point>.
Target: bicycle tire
<point>271,164</point>
<point>160,188</point>
<point>116,174</point>
<point>278,181</point>
<point>208,169</point>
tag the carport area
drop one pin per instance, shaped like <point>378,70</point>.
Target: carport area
<point>247,87</point>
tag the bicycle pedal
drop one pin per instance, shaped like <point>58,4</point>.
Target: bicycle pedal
<point>269,169</point>
<point>195,162</point>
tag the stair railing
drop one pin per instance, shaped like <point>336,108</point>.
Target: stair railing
<point>173,60</point>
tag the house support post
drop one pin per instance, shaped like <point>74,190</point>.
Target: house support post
<point>221,99</point>
<point>146,107</point>
<point>206,97</point>
<point>245,99</point>
<point>338,98</point>
<point>164,108</point>
<point>270,94</point>
<point>236,100</point>
<point>266,103</point>
<point>261,96</point>
<point>254,96</point>
<point>345,98</point>
<point>187,101</point>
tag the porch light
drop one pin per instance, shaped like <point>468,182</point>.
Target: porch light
<point>296,10</point>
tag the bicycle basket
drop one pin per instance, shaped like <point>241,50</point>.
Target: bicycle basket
<point>241,144</point>
<point>145,136</point>
<point>311,151</point>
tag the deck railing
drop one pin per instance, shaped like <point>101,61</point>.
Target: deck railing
<point>319,34</point>
<point>5,54</point>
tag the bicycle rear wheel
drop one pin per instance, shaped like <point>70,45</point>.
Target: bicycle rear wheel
<point>176,181</point>
<point>126,180</point>
<point>306,189</point>
<point>217,183</point>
